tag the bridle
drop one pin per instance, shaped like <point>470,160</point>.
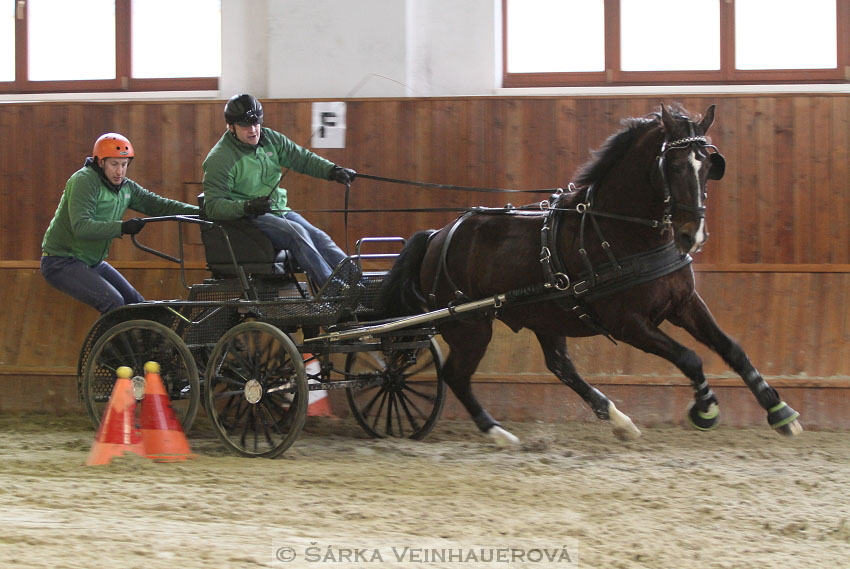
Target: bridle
<point>716,169</point>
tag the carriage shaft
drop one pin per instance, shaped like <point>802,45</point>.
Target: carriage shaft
<point>367,332</point>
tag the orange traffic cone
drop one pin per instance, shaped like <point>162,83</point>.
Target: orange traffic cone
<point>117,433</point>
<point>318,403</point>
<point>162,435</point>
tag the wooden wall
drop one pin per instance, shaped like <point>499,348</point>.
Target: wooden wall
<point>775,270</point>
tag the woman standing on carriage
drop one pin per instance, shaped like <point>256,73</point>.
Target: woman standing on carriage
<point>242,174</point>
<point>89,217</point>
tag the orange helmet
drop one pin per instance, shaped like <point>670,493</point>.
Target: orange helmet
<point>113,145</point>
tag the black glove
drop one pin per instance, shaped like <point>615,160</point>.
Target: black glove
<point>258,206</point>
<point>342,175</point>
<point>132,226</point>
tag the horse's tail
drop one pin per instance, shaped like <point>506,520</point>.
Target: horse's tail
<point>401,293</point>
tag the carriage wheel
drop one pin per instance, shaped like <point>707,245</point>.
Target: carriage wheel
<point>409,400</point>
<point>131,344</point>
<point>256,390</point>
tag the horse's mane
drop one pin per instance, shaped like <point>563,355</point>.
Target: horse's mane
<point>614,148</point>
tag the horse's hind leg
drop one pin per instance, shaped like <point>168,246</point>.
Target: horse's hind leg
<point>558,361</point>
<point>467,344</point>
<point>695,317</point>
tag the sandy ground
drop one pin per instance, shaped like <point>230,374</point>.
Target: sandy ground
<point>570,496</point>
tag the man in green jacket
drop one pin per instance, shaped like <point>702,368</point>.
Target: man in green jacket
<point>242,174</point>
<point>89,217</point>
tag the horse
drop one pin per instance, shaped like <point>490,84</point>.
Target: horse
<point>611,255</point>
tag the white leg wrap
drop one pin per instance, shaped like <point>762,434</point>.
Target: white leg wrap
<point>623,427</point>
<point>502,437</point>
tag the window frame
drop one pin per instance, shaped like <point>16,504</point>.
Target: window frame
<point>613,75</point>
<point>123,57</point>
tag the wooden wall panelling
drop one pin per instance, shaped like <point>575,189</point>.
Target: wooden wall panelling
<point>781,240</point>
<point>722,204</point>
<point>822,203</point>
<point>567,155</point>
<point>839,182</point>
<point>763,218</point>
<point>747,235</point>
<point>802,180</point>
<point>784,200</point>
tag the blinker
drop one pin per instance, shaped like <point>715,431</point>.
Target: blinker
<point>717,167</point>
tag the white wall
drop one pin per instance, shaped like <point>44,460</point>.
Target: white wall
<point>360,48</point>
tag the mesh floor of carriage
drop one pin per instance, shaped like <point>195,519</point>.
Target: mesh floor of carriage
<point>347,296</point>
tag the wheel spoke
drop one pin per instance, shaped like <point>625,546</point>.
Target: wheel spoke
<point>383,399</point>
<point>131,343</point>
<point>367,408</point>
<point>409,389</point>
<point>407,402</point>
<point>390,408</point>
<point>272,386</point>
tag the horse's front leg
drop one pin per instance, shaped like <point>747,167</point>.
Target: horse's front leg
<point>695,317</point>
<point>704,412</point>
<point>558,361</point>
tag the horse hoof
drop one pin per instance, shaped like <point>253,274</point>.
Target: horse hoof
<point>704,420</point>
<point>792,429</point>
<point>502,437</point>
<point>622,426</point>
<point>784,419</point>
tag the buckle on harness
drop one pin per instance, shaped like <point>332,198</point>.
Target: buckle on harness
<point>562,281</point>
<point>581,288</point>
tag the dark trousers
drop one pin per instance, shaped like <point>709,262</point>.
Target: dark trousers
<point>101,286</point>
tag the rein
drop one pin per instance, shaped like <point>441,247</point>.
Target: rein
<point>452,187</point>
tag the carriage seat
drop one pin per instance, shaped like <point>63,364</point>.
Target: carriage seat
<point>252,249</point>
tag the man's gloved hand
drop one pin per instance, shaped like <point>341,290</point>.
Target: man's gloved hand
<point>258,206</point>
<point>132,226</point>
<point>342,175</point>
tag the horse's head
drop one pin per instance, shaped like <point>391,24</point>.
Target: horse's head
<point>686,162</point>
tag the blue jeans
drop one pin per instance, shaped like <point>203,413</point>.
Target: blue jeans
<point>312,248</point>
<point>101,286</point>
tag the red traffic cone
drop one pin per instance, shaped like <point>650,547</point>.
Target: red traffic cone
<point>318,403</point>
<point>117,433</point>
<point>162,435</point>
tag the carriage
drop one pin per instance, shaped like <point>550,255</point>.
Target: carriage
<point>611,256</point>
<point>237,346</point>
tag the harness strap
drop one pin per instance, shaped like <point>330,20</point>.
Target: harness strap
<point>554,274</point>
<point>442,268</point>
<point>631,271</point>
<point>550,258</point>
<point>604,242</point>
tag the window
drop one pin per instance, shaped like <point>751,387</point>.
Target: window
<point>634,42</point>
<point>110,45</point>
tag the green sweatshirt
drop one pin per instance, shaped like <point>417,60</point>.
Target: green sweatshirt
<point>235,172</point>
<point>89,214</point>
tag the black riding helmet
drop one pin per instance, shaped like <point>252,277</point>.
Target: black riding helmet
<point>243,110</point>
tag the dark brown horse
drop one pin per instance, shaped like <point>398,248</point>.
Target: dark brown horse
<point>610,256</point>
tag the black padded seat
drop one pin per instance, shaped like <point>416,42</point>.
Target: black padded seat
<point>252,249</point>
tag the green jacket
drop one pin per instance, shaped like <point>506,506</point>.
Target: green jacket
<point>89,214</point>
<point>235,172</point>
